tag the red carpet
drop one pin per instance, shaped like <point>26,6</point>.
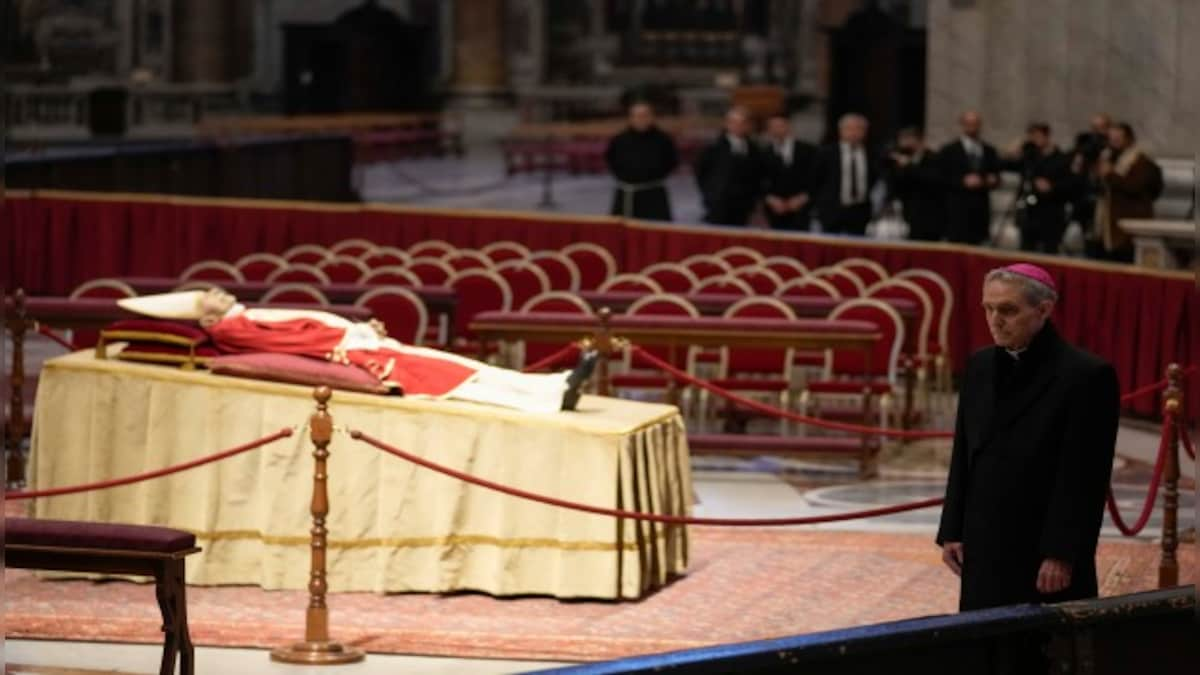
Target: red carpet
<point>743,585</point>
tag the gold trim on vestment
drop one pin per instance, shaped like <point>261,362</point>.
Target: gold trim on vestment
<point>418,542</point>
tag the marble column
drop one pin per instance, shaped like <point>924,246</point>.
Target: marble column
<point>202,37</point>
<point>480,67</point>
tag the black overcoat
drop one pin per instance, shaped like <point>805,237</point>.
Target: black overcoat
<point>642,158</point>
<point>968,210</point>
<point>1032,458</point>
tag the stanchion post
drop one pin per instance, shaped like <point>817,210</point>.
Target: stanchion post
<point>317,648</point>
<point>604,345</point>
<point>14,460</point>
<point>1168,567</point>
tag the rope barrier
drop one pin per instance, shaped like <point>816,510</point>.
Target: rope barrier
<point>43,330</point>
<point>780,412</point>
<point>137,478</point>
<point>1185,439</point>
<point>567,353</point>
<point>1151,497</point>
<point>637,515</point>
<point>1155,386</point>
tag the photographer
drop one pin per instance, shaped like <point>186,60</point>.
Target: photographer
<point>1047,185</point>
<point>915,180</point>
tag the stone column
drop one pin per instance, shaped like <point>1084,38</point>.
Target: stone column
<point>202,34</point>
<point>480,68</point>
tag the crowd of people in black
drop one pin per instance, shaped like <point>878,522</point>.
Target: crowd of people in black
<point>943,193</point>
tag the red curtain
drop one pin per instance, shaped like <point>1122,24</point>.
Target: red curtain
<point>52,242</point>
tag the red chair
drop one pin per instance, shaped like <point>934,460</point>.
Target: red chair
<point>431,248</point>
<point>847,374</point>
<point>761,279</point>
<point>299,273</point>
<point>295,294</point>
<point>916,333</point>
<point>355,248</point>
<point>259,266</point>
<point>562,272</point>
<point>478,291</point>
<point>705,266</point>
<point>97,288</point>
<point>754,369</point>
<point>595,263</point>
<point>431,271</point>
<point>941,297</point>
<point>808,286</point>
<point>631,282</point>
<point>307,254</point>
<point>551,302</point>
<point>787,268</point>
<point>390,276</point>
<point>640,374</point>
<point>401,311</point>
<point>212,270</point>
<point>740,256</point>
<point>723,285</point>
<point>672,277</point>
<point>504,251</point>
<point>847,283</point>
<point>344,269</point>
<point>386,256</point>
<point>467,259</point>
<point>525,279</point>
<point>869,271</point>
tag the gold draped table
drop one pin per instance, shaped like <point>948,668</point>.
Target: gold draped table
<point>392,526</point>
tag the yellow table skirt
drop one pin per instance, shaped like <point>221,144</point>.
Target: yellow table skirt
<point>392,526</point>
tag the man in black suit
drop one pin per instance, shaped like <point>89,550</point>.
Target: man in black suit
<point>916,180</point>
<point>789,176</point>
<point>1047,185</point>
<point>845,172</point>
<point>971,170</point>
<point>1033,452</point>
<point>730,172</point>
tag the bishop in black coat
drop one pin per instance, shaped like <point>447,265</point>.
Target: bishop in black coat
<point>1032,458</point>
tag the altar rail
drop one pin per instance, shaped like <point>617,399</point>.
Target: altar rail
<point>1140,320</point>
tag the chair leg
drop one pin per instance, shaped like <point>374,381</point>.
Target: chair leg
<point>172,602</point>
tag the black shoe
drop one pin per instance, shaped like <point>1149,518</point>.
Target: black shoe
<point>578,377</point>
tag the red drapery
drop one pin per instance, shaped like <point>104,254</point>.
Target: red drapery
<point>52,241</point>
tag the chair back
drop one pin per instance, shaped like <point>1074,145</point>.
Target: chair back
<point>916,333</point>
<point>295,294</point>
<point>761,279</point>
<point>809,286</point>
<point>941,297</point>
<point>478,291</point>
<point>402,312</point>
<point>556,302</point>
<point>885,356</point>
<point>846,282</point>
<point>562,272</point>
<point>525,280</point>
<point>774,361</point>
<point>467,259</point>
<point>503,251</point>
<point>631,282</point>
<point>386,256</point>
<point>664,304</point>
<point>740,256</point>
<point>98,288</point>
<point>355,248</point>
<point>869,271</point>
<point>212,270</point>
<point>672,277</point>
<point>431,271</point>
<point>343,269</point>
<point>301,273</point>
<point>431,248</point>
<point>724,285</point>
<point>595,263</point>
<point>787,268</point>
<point>706,265</point>
<point>307,254</point>
<point>390,276</point>
<point>259,266</point>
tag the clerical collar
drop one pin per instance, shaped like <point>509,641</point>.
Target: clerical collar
<point>1016,353</point>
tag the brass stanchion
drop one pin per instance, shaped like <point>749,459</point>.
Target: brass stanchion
<point>1168,566</point>
<point>317,648</point>
<point>604,345</point>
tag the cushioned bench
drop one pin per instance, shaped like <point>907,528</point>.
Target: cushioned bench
<point>108,548</point>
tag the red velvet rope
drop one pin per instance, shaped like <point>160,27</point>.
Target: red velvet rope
<point>116,482</point>
<point>1186,439</point>
<point>637,515</point>
<point>43,330</point>
<point>561,356</point>
<point>1151,497</point>
<point>1156,386</point>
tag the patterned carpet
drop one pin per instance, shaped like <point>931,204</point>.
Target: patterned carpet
<point>743,585</point>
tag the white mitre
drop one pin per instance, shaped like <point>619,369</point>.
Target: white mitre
<point>184,305</point>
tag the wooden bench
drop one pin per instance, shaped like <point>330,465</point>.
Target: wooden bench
<point>109,548</point>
